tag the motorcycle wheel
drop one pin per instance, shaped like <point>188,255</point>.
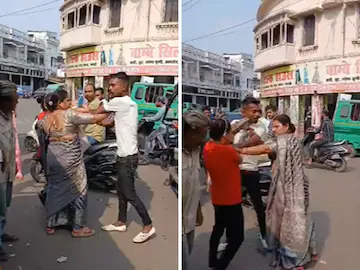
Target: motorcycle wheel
<point>352,150</point>
<point>342,165</point>
<point>35,171</point>
<point>30,144</point>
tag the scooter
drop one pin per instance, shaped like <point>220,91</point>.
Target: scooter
<point>100,166</point>
<point>334,154</point>
<point>167,155</point>
<point>31,141</point>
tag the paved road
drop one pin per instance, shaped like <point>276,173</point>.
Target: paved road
<point>335,209</point>
<point>105,251</point>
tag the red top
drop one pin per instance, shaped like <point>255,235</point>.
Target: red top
<point>41,116</point>
<point>222,163</point>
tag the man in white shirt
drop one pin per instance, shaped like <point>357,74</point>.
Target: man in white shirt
<point>250,176</point>
<point>126,124</point>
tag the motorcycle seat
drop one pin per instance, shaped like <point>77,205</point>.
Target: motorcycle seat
<point>334,144</point>
<point>97,147</point>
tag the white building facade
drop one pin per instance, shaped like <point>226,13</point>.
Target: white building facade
<point>307,53</point>
<point>215,80</point>
<point>101,38</point>
<point>21,58</point>
<point>52,56</point>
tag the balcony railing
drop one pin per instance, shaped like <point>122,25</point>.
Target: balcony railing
<point>209,58</point>
<point>274,57</point>
<point>82,36</point>
<point>21,37</point>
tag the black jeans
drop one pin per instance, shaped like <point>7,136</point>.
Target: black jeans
<point>314,145</point>
<point>126,171</point>
<point>228,218</point>
<point>251,181</point>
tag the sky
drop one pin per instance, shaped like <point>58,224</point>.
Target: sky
<point>209,16</point>
<point>46,17</point>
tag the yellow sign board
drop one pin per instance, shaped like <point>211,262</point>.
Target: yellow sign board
<point>83,58</point>
<point>278,77</point>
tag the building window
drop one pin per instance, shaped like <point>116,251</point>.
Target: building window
<point>71,20</point>
<point>171,11</point>
<point>309,30</point>
<point>344,112</point>
<point>276,35</point>
<point>355,112</point>
<point>115,13</point>
<point>264,41</point>
<point>289,33</point>
<point>96,14</point>
<point>257,44</point>
<point>63,24</point>
<point>82,15</point>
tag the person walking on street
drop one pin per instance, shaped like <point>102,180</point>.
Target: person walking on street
<point>126,123</point>
<point>290,229</point>
<point>222,162</point>
<point>195,129</point>
<point>8,102</point>
<point>250,175</point>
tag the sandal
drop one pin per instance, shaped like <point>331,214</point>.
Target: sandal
<point>9,238</point>
<point>84,232</point>
<point>50,231</point>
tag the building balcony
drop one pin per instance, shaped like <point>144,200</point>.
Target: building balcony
<point>83,36</point>
<point>21,39</point>
<point>273,57</point>
<point>19,62</point>
<point>208,83</point>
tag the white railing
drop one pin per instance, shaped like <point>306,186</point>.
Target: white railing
<point>21,37</point>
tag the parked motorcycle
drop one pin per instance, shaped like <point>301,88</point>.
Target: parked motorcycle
<point>31,141</point>
<point>171,140</point>
<point>100,166</point>
<point>333,154</point>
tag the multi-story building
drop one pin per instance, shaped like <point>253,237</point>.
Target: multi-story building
<point>214,80</point>
<point>104,37</point>
<point>307,52</point>
<point>21,58</point>
<point>52,55</point>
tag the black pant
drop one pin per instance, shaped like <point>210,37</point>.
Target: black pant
<point>126,171</point>
<point>231,220</point>
<point>251,181</point>
<point>314,145</point>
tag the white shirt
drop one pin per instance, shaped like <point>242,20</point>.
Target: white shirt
<point>126,124</point>
<point>251,163</point>
<point>266,123</point>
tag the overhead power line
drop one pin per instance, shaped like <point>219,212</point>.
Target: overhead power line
<point>233,26</point>
<point>30,8</point>
<point>191,6</point>
<point>187,2</point>
<point>31,12</point>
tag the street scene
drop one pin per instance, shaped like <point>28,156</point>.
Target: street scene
<point>36,251</point>
<point>272,88</point>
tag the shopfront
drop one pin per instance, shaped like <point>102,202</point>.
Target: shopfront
<point>95,64</point>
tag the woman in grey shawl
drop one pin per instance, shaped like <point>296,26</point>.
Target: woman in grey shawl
<point>290,230</point>
<point>66,197</point>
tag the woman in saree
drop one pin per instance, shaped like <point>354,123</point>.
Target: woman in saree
<point>290,230</point>
<point>66,198</point>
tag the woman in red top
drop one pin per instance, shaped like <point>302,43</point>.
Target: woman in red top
<point>222,162</point>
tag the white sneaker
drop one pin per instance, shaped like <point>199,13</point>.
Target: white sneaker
<point>222,247</point>
<point>113,228</point>
<point>263,242</point>
<point>143,237</point>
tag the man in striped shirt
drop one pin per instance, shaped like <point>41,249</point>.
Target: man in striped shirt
<point>325,134</point>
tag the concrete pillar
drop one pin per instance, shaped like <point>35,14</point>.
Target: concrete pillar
<point>193,99</point>
<point>207,100</point>
<point>32,83</point>
<point>25,53</point>
<point>228,103</point>
<point>198,70</point>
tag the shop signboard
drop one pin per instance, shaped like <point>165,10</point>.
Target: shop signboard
<point>278,77</point>
<point>82,58</point>
<point>135,58</point>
